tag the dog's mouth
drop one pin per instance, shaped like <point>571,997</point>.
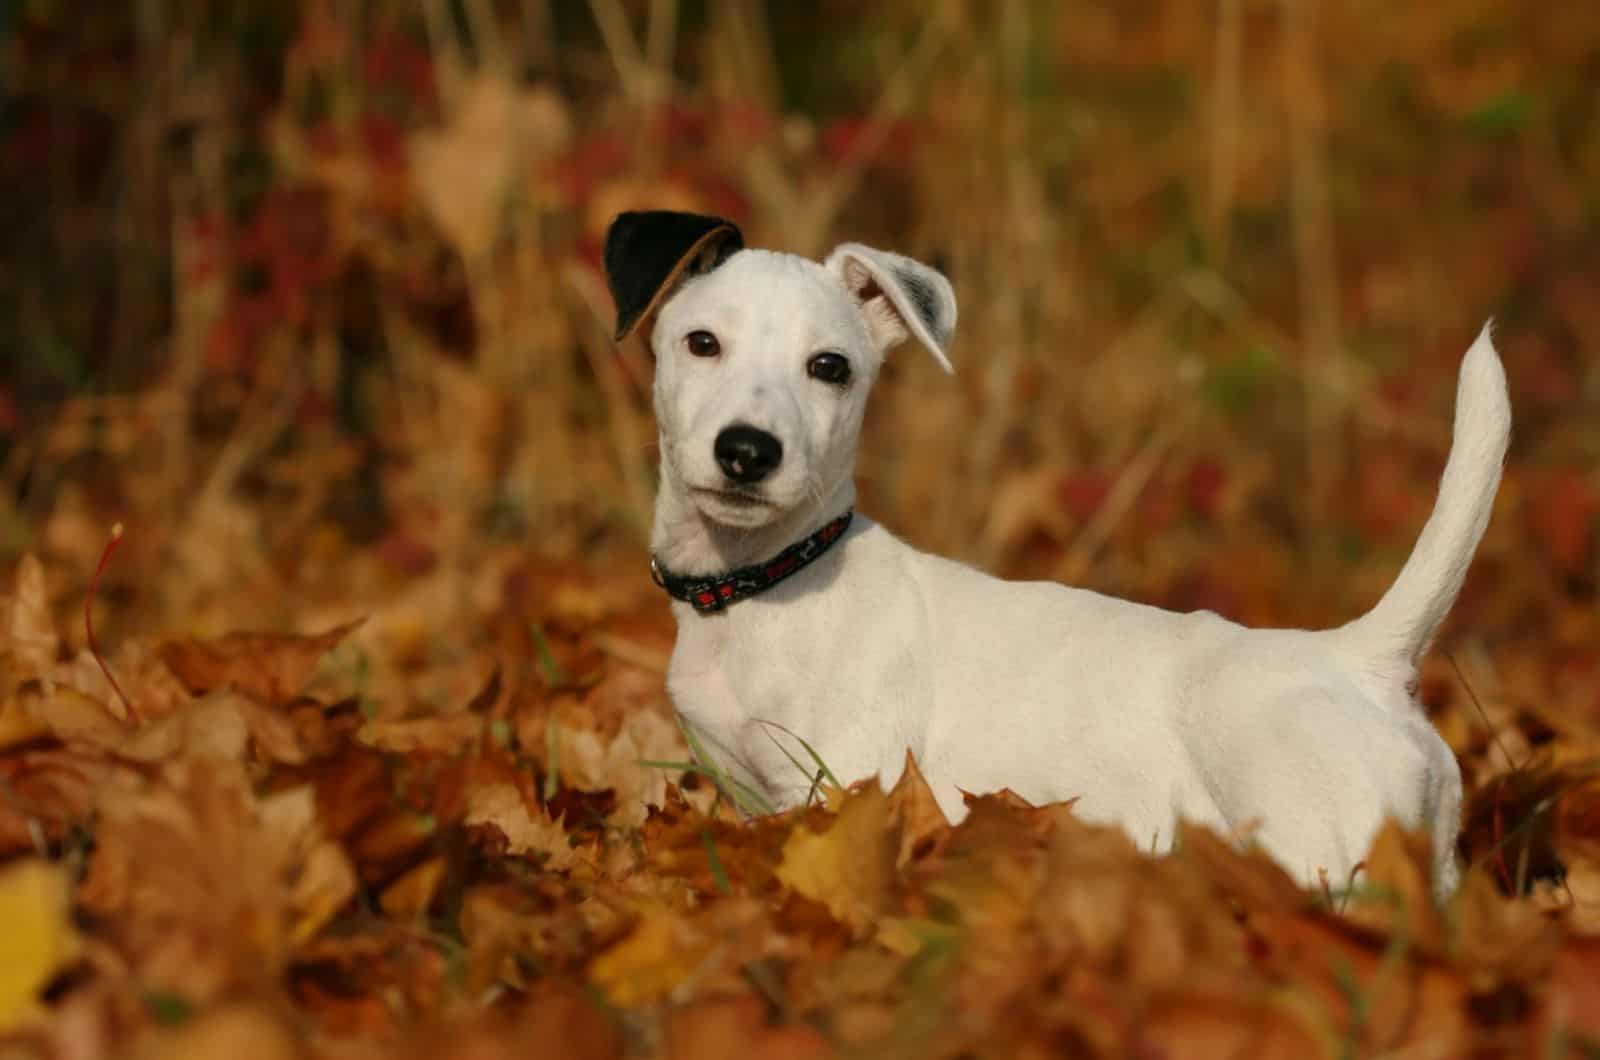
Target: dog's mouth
<point>734,498</point>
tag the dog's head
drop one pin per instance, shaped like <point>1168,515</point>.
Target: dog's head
<point>764,360</point>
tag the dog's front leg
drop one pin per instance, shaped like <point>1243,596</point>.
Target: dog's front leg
<point>716,728</point>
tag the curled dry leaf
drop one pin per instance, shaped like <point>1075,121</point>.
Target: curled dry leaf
<point>529,833</point>
<point>916,813</point>
<point>588,761</point>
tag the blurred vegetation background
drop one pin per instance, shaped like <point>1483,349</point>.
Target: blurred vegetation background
<point>284,281</point>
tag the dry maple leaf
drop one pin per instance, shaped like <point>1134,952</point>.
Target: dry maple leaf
<point>589,762</point>
<point>204,888</point>
<point>273,668</point>
<point>527,835</point>
<point>849,867</point>
<point>916,812</point>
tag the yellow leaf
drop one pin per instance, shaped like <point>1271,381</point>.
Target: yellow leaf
<point>39,937</point>
<point>848,868</point>
<point>410,895</point>
<point>662,951</point>
<point>18,725</point>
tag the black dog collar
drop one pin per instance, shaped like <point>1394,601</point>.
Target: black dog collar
<point>706,593</point>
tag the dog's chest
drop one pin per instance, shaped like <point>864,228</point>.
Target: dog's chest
<point>752,680</point>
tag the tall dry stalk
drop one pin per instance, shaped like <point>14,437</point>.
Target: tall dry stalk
<point>1322,346</point>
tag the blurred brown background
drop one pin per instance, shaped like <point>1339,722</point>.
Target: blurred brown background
<point>284,282</point>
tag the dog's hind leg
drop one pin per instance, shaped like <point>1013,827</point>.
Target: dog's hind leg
<point>1310,776</point>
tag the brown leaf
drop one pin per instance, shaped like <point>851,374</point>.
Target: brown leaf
<point>234,1030</point>
<point>528,834</point>
<point>444,734</point>
<point>560,1013</point>
<point>1396,895</point>
<point>1252,877</point>
<point>212,726</point>
<point>1203,1025</point>
<point>205,889</point>
<point>737,1028</point>
<point>273,668</point>
<point>1572,995</point>
<point>71,716</point>
<point>916,812</point>
<point>28,639</point>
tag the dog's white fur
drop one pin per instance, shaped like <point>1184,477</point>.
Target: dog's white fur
<point>1305,740</point>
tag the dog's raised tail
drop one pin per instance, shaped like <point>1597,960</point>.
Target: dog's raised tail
<point>1403,623</point>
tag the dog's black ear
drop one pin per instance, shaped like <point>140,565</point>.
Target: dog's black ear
<point>899,297</point>
<point>649,251</point>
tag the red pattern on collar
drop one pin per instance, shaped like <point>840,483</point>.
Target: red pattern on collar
<point>713,592</point>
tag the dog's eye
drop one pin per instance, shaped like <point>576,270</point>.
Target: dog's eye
<point>703,344</point>
<point>829,367</point>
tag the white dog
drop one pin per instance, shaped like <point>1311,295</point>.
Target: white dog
<point>796,620</point>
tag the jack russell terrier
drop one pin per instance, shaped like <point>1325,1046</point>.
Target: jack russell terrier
<point>799,619</point>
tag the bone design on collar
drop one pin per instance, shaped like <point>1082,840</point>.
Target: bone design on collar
<point>713,592</point>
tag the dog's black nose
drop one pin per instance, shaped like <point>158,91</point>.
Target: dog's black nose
<point>747,455</point>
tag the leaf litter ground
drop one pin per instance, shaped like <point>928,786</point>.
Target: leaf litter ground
<point>380,838</point>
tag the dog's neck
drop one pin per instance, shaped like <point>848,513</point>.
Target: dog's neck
<point>686,542</point>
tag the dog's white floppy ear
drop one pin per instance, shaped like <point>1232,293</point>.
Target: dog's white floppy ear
<point>647,252</point>
<point>898,296</point>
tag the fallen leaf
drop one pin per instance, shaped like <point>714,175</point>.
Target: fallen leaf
<point>502,806</point>
<point>40,939</point>
<point>410,896</point>
<point>847,868</point>
<point>28,639</point>
<point>662,950</point>
<point>737,1028</point>
<point>272,668</point>
<point>1396,893</point>
<point>234,1030</point>
<point>18,724</point>
<point>444,734</point>
<point>916,812</point>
